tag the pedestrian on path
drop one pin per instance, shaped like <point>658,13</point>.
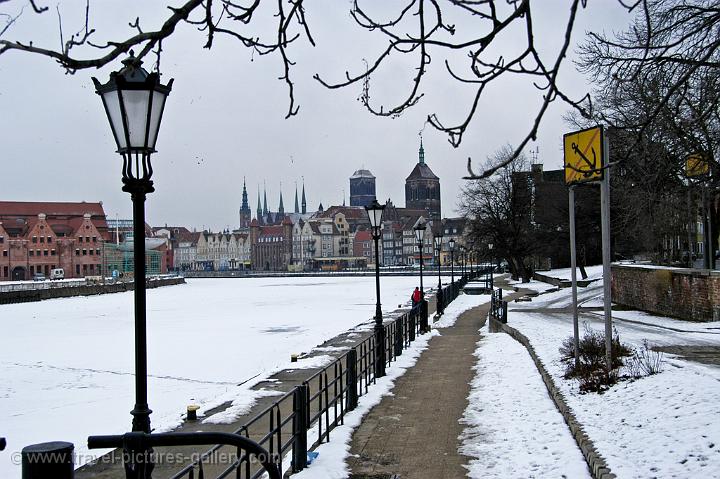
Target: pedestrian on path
<point>416,297</point>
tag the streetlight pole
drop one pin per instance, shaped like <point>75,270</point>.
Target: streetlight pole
<point>452,260</point>
<point>375,211</point>
<point>492,266</point>
<point>420,228</point>
<point>134,101</point>
<point>438,248</point>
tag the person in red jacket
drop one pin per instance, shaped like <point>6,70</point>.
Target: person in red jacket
<point>416,297</point>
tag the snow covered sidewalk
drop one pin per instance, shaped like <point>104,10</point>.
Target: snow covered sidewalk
<point>664,425</point>
<point>513,428</point>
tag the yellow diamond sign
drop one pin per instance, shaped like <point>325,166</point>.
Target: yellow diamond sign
<point>583,154</point>
<point>696,165</point>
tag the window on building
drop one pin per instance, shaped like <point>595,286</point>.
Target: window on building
<point>87,238</point>
<point>80,239</point>
<point>49,239</point>
<point>85,267</point>
<point>84,252</point>
<point>34,239</point>
<point>2,239</point>
<point>52,253</point>
<point>77,269</point>
<point>45,252</point>
<point>92,252</point>
<point>42,239</point>
<point>4,252</point>
<point>31,252</point>
<point>94,239</point>
<point>5,271</point>
<point>97,251</point>
<point>77,252</point>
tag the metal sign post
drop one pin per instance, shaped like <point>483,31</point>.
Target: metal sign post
<point>607,274</point>
<point>586,155</point>
<point>573,274</point>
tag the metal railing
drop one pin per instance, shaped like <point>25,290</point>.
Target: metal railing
<point>498,307</point>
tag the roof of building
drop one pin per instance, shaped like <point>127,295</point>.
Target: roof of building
<point>350,212</point>
<point>422,172</point>
<point>362,174</point>
<point>33,208</point>
<point>363,235</point>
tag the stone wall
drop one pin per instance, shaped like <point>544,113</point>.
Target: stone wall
<point>86,290</point>
<point>689,294</point>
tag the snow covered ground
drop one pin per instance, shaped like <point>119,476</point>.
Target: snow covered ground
<point>513,428</point>
<point>666,425</point>
<point>67,365</point>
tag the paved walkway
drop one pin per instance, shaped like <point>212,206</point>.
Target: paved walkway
<point>414,433</point>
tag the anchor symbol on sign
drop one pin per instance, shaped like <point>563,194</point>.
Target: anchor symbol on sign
<point>592,164</point>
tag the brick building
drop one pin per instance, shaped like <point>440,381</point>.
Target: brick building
<point>271,247</point>
<point>36,237</point>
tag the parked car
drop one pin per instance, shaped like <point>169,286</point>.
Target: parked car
<point>38,277</point>
<point>57,273</point>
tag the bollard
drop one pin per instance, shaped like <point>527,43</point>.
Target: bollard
<point>192,412</point>
<point>48,460</point>
<point>399,337</point>
<point>293,358</point>
<point>2,444</point>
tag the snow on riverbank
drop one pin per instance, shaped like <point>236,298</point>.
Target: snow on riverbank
<point>67,365</point>
<point>513,428</point>
<point>666,425</point>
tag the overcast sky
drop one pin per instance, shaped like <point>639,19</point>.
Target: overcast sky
<point>224,120</point>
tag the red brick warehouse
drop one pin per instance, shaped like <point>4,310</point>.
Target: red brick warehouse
<point>36,237</point>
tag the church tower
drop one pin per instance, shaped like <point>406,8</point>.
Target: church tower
<point>245,213</point>
<point>422,188</point>
<point>281,207</point>
<point>304,203</point>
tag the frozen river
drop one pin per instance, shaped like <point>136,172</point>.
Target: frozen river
<point>67,364</point>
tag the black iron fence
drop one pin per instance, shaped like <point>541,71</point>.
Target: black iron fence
<point>297,422</point>
<point>498,307</point>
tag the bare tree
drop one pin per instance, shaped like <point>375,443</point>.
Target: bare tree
<point>417,28</point>
<point>499,212</point>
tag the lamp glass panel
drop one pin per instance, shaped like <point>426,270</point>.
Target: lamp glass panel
<point>136,109</point>
<point>158,104</point>
<point>112,104</point>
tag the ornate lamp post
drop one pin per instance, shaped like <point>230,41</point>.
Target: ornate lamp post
<point>492,265</point>
<point>134,101</point>
<point>438,248</point>
<point>419,229</point>
<point>375,212</point>
<point>451,243</point>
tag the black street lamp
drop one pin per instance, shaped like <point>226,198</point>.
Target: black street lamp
<point>438,248</point>
<point>420,228</point>
<point>492,266</point>
<point>134,101</point>
<point>451,243</point>
<point>375,212</point>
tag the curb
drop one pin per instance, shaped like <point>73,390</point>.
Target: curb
<point>598,467</point>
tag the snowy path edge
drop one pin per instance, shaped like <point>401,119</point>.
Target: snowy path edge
<point>598,467</point>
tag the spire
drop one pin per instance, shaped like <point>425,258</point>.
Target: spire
<point>259,207</point>
<point>422,153</point>
<point>304,203</point>
<point>244,206</point>
<point>281,208</point>
<point>297,205</point>
<point>265,209</point>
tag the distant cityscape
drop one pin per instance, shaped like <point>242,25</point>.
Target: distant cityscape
<point>38,237</point>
